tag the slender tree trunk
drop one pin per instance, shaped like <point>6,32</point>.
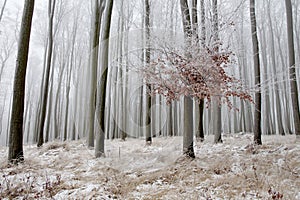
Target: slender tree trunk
<point>217,115</point>
<point>278,116</point>
<point>101,89</point>
<point>147,56</point>
<point>188,133</point>
<point>257,113</point>
<point>94,65</point>
<point>2,10</point>
<point>267,118</point>
<point>15,152</point>
<point>201,103</point>
<point>188,144</point>
<point>292,70</point>
<point>47,74</point>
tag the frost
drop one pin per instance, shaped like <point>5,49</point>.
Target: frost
<point>236,169</point>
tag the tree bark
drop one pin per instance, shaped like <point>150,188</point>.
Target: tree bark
<point>188,132</point>
<point>201,103</point>
<point>93,73</point>
<point>217,115</point>
<point>47,74</point>
<point>147,56</point>
<point>292,71</point>
<point>257,113</point>
<point>101,88</point>
<point>15,152</point>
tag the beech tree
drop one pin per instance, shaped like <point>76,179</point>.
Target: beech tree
<point>292,71</point>
<point>257,112</point>
<point>147,56</point>
<point>15,152</point>
<point>45,84</point>
<point>102,83</point>
<point>97,18</point>
<point>216,107</point>
<point>199,74</point>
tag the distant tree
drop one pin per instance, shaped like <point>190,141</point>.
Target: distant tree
<point>257,112</point>
<point>2,9</point>
<point>292,71</point>
<point>15,152</point>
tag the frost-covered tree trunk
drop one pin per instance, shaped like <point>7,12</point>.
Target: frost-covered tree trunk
<point>46,79</point>
<point>147,56</point>
<point>97,15</point>
<point>102,83</point>
<point>267,117</point>
<point>188,133</point>
<point>15,151</point>
<point>286,91</point>
<point>292,70</point>
<point>217,115</point>
<point>200,133</point>
<point>72,64</point>
<point>278,117</point>
<point>257,112</point>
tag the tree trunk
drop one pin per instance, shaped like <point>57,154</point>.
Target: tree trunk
<point>93,73</point>
<point>147,56</point>
<point>2,9</point>
<point>257,113</point>
<point>217,115</point>
<point>292,71</point>
<point>188,145</point>
<point>15,152</point>
<point>101,88</point>
<point>47,74</point>
<point>278,117</point>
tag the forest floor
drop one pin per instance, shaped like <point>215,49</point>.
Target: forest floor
<point>235,169</point>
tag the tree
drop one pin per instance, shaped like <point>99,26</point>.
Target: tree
<point>98,10</point>
<point>292,71</point>
<point>46,79</point>
<point>217,115</point>
<point>15,152</point>
<point>188,133</point>
<point>257,112</point>
<point>2,9</point>
<point>102,83</point>
<point>147,56</point>
<point>201,103</point>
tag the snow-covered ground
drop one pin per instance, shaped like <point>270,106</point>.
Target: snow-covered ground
<point>235,169</point>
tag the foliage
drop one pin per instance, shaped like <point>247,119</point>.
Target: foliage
<point>193,71</point>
